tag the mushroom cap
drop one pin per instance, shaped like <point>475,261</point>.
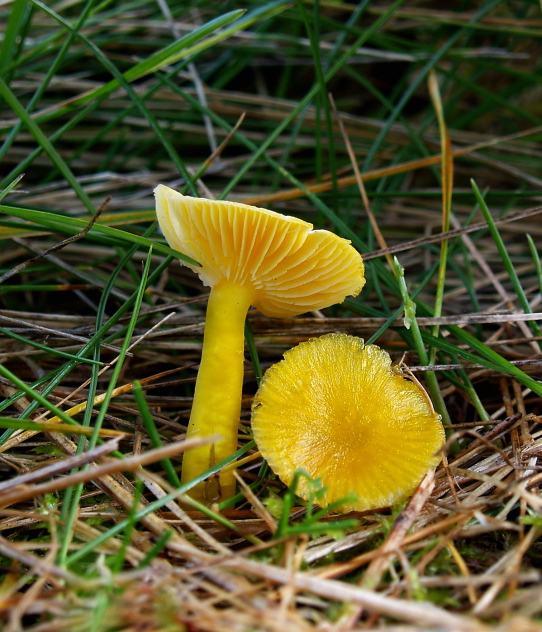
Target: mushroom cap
<point>336,408</point>
<point>290,267</point>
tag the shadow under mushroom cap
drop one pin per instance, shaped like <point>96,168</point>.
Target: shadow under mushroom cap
<point>337,409</point>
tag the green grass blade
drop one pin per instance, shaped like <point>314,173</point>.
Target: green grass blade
<point>412,323</point>
<point>260,151</point>
<point>46,144</point>
<point>60,374</point>
<point>10,187</point>
<point>503,252</point>
<point>156,549</point>
<point>16,20</point>
<point>536,260</point>
<point>39,398</point>
<point>72,225</point>
<point>51,72</point>
<point>28,424</point>
<point>447,186</point>
<point>419,78</point>
<point>185,46</point>
<point>153,433</point>
<point>38,345</point>
<point>251,344</point>
<point>492,359</point>
<point>195,42</point>
<point>138,300</point>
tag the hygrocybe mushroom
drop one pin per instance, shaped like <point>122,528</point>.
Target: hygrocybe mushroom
<point>248,256</point>
<point>336,408</point>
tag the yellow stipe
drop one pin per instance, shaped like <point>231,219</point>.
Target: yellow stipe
<point>217,397</point>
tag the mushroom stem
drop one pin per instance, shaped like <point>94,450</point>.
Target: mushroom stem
<point>217,397</point>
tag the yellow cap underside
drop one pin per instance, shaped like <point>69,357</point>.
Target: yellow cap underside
<point>290,267</point>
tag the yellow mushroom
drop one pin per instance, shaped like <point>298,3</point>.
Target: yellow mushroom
<point>336,408</point>
<point>248,256</point>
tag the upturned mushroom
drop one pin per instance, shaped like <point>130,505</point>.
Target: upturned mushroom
<point>336,408</point>
<point>249,257</point>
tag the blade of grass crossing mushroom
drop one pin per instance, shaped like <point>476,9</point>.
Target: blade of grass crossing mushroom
<point>516,283</point>
<point>232,464</point>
